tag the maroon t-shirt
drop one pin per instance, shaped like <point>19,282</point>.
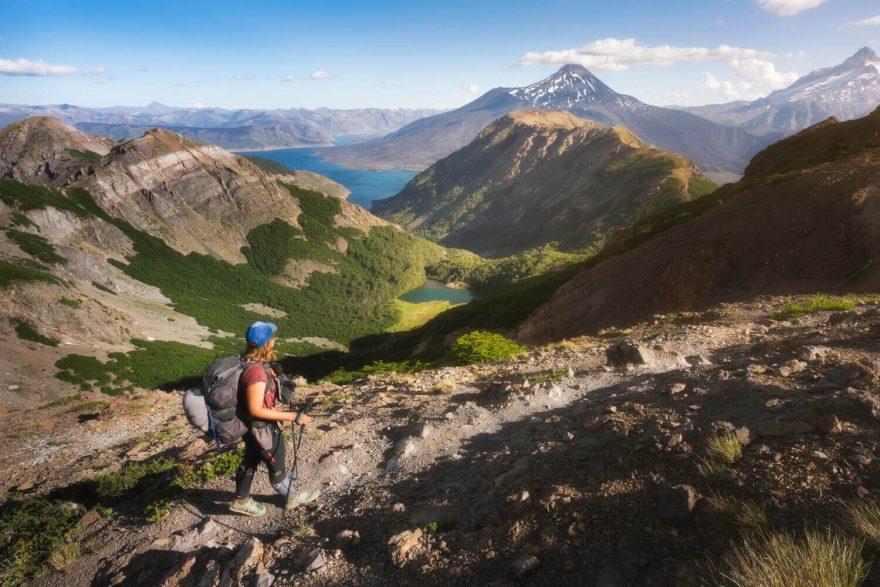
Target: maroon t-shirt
<point>255,374</point>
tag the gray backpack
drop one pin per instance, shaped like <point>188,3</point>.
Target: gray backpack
<point>214,407</point>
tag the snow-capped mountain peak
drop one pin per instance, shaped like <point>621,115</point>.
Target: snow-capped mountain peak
<point>570,87</point>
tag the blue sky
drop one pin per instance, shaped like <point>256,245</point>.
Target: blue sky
<point>417,54</point>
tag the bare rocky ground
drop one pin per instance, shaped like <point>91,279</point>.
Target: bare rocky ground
<point>554,469</point>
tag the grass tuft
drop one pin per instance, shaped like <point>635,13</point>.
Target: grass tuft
<point>724,448</point>
<point>818,559</point>
<point>444,386</point>
<point>63,554</point>
<point>736,513</point>
<point>863,519</point>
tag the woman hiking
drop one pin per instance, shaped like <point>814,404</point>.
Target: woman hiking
<point>258,393</point>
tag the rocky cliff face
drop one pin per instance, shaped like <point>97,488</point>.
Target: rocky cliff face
<point>804,219</point>
<point>534,177</point>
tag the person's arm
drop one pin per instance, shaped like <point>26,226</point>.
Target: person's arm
<point>255,396</point>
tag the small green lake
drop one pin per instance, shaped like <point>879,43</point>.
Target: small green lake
<point>436,291</point>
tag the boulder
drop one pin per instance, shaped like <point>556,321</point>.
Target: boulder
<point>625,353</point>
<point>676,503</point>
<point>827,424</point>
<point>525,565</point>
<point>812,353</point>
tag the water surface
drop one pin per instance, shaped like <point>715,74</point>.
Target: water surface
<point>436,291</point>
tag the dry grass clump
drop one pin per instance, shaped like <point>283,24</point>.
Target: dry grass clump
<point>739,513</point>
<point>724,448</point>
<point>862,519</point>
<point>711,469</point>
<point>63,554</point>
<point>780,559</point>
<point>444,386</point>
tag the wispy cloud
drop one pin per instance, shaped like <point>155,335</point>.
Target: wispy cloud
<point>789,7</point>
<point>34,68</point>
<point>873,21</point>
<point>288,78</point>
<point>620,54</point>
<point>474,89</point>
<point>678,95</point>
<point>320,75</point>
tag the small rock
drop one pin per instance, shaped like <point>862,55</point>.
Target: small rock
<point>743,435</point>
<point>264,579</point>
<point>314,562</point>
<point>525,565</point>
<point>820,455</point>
<point>774,404</point>
<point>26,486</point>
<point>624,353</point>
<point>677,503</point>
<point>812,353</point>
<point>756,369</point>
<point>398,507</point>
<point>790,368</point>
<point>89,518</point>
<point>569,436</point>
<point>677,388</point>
<point>401,545</point>
<point>863,493</point>
<point>449,416</point>
<point>827,424</point>
<point>570,372</point>
<point>348,538</point>
<point>422,429</point>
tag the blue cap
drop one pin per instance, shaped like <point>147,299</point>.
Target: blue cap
<point>259,333</point>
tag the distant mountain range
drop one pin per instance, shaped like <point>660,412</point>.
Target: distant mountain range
<point>845,91</point>
<point>244,129</point>
<point>535,177</point>
<point>573,88</point>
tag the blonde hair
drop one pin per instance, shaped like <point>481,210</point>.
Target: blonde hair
<point>260,354</point>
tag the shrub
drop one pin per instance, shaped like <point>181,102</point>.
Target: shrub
<point>157,510</point>
<point>87,156</point>
<point>26,331</point>
<point>480,346</point>
<point>818,559</point>
<point>103,288</point>
<point>812,305</point>
<point>70,303</point>
<point>29,532</point>
<point>10,272</point>
<point>444,386</point>
<point>118,484</point>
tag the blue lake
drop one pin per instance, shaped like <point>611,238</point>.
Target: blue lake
<point>434,290</point>
<point>365,185</point>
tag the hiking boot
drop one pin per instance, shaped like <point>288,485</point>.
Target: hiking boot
<point>247,507</point>
<point>300,498</point>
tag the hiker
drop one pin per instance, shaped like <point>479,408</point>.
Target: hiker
<point>258,395</point>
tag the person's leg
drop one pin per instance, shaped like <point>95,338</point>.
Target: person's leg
<point>276,463</point>
<point>244,476</point>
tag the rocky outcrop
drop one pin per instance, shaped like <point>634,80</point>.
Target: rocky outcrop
<point>534,177</point>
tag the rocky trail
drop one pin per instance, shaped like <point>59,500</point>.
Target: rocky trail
<point>584,463</point>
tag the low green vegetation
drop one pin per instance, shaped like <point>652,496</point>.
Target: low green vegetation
<point>61,401</point>
<point>782,559</point>
<point>486,275</point>
<point>103,287</point>
<point>344,377</point>
<point>10,272</point>
<point>415,315</point>
<point>269,166</point>
<point>30,531</point>
<point>19,219</point>
<point>818,303</point>
<point>480,346</point>
<point>26,331</point>
<point>92,406</point>
<point>87,156</point>
<point>546,376</point>
<point>112,487</point>
<point>222,464</point>
<point>35,245</point>
<point>70,303</point>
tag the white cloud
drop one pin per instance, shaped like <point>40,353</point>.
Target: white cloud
<point>196,105</point>
<point>678,95</point>
<point>34,68</point>
<point>757,72</point>
<point>727,89</point>
<point>795,54</point>
<point>288,78</point>
<point>474,89</point>
<point>320,74</point>
<point>620,54</point>
<point>788,7</point>
<point>873,21</point>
